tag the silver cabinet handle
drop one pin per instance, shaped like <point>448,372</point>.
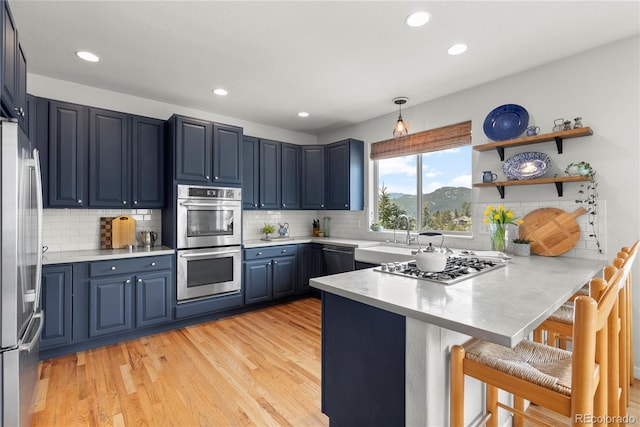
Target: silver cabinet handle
<point>284,251</point>
<point>20,111</point>
<point>79,200</point>
<point>275,262</point>
<point>153,264</point>
<point>127,281</point>
<point>216,177</point>
<point>322,206</point>
<point>259,253</point>
<point>284,205</point>
<point>346,205</point>
<point>262,204</point>
<point>124,202</point>
<point>113,268</point>
<point>207,177</point>
<point>139,280</point>
<point>255,205</point>
<point>135,202</point>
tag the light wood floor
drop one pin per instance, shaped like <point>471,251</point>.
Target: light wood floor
<point>260,368</point>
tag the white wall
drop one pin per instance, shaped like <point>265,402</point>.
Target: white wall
<point>602,86</point>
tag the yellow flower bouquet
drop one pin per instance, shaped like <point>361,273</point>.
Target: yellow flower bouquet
<point>498,218</point>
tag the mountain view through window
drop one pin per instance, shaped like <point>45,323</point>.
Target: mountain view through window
<point>443,178</point>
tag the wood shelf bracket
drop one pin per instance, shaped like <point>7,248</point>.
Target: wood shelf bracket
<point>559,144</point>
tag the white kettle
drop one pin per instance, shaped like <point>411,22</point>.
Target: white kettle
<point>430,258</point>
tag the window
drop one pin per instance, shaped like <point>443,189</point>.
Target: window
<point>439,171</point>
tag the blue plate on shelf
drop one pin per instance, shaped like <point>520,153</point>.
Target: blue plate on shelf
<point>506,122</point>
<point>527,165</point>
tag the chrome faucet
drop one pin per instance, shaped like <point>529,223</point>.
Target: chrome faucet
<point>409,238</point>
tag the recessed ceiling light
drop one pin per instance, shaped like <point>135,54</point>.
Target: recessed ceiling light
<point>303,114</point>
<point>87,56</point>
<point>457,49</point>
<point>220,91</point>
<point>417,19</point>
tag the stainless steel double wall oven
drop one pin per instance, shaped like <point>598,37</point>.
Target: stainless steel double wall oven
<point>209,235</point>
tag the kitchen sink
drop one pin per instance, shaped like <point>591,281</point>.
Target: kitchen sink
<point>384,253</point>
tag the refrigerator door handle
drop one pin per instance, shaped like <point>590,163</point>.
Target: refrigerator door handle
<point>38,287</point>
<point>29,346</point>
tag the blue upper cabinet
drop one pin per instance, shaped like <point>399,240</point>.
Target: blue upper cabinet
<point>193,140</point>
<point>108,159</point>
<point>270,164</point>
<point>250,172</point>
<point>13,70</point>
<point>290,176</point>
<point>227,159</point>
<point>67,154</point>
<point>206,153</point>
<point>345,182</point>
<point>147,162</point>
<point>313,196</point>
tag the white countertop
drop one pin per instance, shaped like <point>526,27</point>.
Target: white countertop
<point>502,306</point>
<point>64,257</point>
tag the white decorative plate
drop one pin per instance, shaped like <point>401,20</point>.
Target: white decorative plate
<point>527,165</point>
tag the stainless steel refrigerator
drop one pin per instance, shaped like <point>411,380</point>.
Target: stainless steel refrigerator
<point>21,316</point>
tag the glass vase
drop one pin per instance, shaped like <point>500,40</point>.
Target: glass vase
<point>498,237</point>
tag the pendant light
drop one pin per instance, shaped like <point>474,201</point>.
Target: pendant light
<point>400,129</point>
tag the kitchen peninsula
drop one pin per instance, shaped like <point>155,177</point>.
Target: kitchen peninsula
<point>386,338</point>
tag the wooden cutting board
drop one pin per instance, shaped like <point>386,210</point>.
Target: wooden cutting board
<point>123,231</point>
<point>551,230</point>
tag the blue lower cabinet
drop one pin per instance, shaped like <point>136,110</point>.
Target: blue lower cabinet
<point>56,304</point>
<point>153,298</point>
<point>269,273</point>
<point>110,305</point>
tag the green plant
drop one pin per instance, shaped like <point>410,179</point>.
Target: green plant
<point>267,229</point>
<point>522,241</point>
<point>581,166</point>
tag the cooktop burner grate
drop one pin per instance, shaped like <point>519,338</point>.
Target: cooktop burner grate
<point>456,270</point>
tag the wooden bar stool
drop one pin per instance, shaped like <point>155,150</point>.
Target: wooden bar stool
<point>573,384</point>
<point>560,324</point>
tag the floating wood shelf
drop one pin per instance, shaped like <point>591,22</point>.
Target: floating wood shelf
<point>558,137</point>
<point>558,181</point>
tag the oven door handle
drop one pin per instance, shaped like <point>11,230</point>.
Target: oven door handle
<point>210,205</point>
<point>208,254</point>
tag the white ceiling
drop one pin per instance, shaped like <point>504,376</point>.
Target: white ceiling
<point>341,61</point>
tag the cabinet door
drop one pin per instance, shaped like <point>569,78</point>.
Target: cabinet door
<point>313,177</point>
<point>227,162</point>
<point>108,159</point>
<point>147,162</point>
<point>304,268</point>
<point>284,276</point>
<point>257,281</point>
<point>270,174</point>
<point>9,55</point>
<point>67,155</point>
<point>345,182</point>
<point>193,150</point>
<point>110,305</point>
<point>290,176</point>
<point>337,190</point>
<point>56,304</point>
<point>153,298</point>
<point>250,172</point>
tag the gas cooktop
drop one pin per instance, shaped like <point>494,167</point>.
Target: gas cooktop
<point>456,270</point>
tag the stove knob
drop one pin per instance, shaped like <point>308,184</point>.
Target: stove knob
<point>383,267</point>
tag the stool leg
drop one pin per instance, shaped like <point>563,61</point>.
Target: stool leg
<point>456,392</point>
<point>492,405</point>
<point>518,404</point>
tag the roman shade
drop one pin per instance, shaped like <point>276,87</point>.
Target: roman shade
<point>423,142</point>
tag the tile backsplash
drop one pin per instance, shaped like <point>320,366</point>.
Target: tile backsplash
<point>79,229</point>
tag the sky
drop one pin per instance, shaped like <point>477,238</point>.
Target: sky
<point>448,168</point>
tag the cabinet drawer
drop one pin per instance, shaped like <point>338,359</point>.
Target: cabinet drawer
<point>129,266</point>
<point>269,252</point>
